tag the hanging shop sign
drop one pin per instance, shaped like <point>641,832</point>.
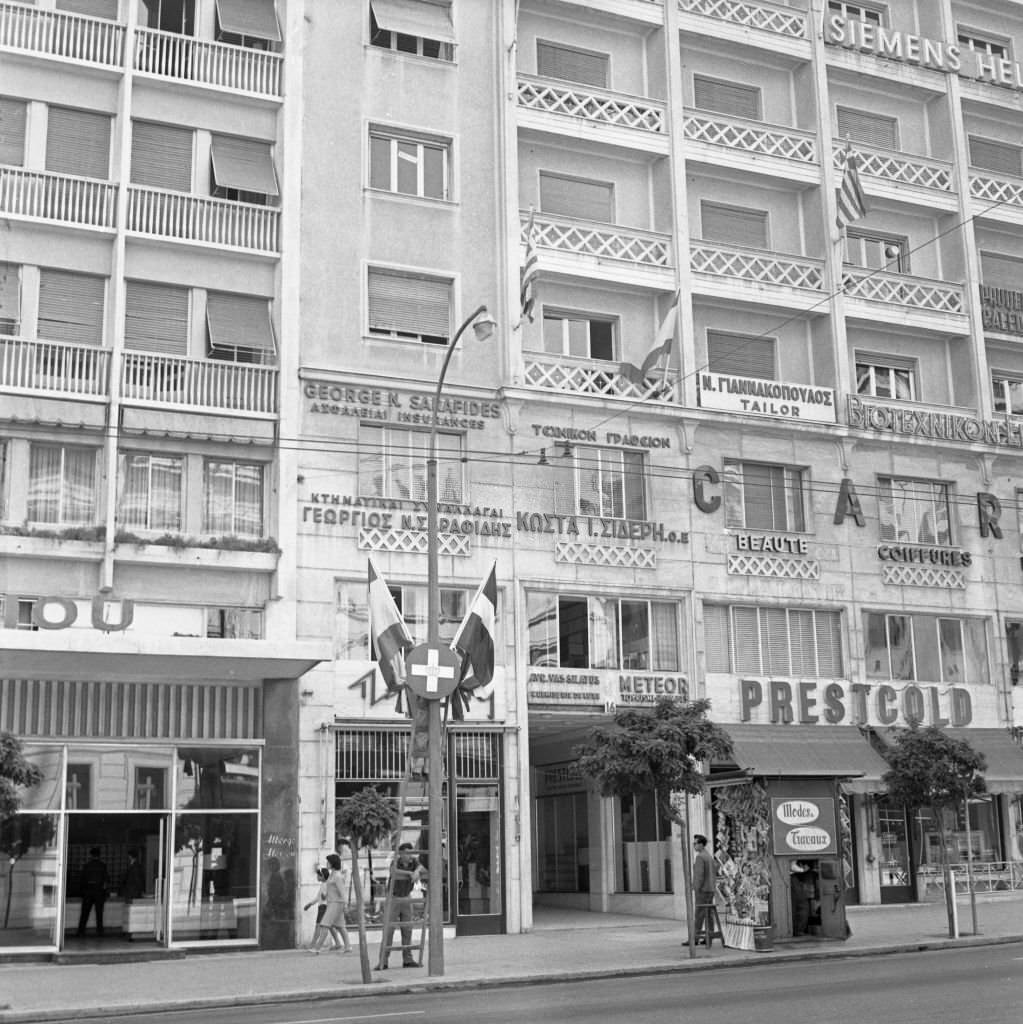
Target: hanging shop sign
<point>803,825</point>
<point>1001,309</point>
<point>752,395</point>
<point>607,688</point>
<point>936,426</point>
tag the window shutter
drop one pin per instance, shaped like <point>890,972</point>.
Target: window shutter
<point>733,226</point>
<point>93,8</point>
<point>715,637</point>
<point>740,356</point>
<point>829,645</point>
<point>161,156</point>
<point>726,97</point>
<point>774,638</point>
<point>429,20</point>
<point>245,164</point>
<point>253,18</point>
<point>239,322</point>
<point>1001,271</point>
<point>12,132</point>
<point>746,640</point>
<point>572,197</point>
<point>71,307</point>
<point>78,142</point>
<point>409,305</point>
<point>156,318</point>
<point>10,299</point>
<point>570,65</point>
<point>802,641</point>
<point>995,156</point>
<point>870,129</point>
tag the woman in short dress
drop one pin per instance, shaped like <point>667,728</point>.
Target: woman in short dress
<point>334,915</point>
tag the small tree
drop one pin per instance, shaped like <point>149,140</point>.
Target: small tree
<point>17,834</point>
<point>365,819</point>
<point>660,749</point>
<point>928,768</point>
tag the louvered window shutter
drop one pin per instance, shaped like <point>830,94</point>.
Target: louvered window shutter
<point>78,142</point>
<point>106,9</point>
<point>71,307</point>
<point>161,156</point>
<point>240,323</point>
<point>995,156</point>
<point>726,97</point>
<point>802,642</point>
<point>733,226</point>
<point>156,318</point>
<point>829,645</point>
<point>715,637</point>
<point>774,641</point>
<point>571,197</point>
<point>870,129</point>
<point>10,299</point>
<point>12,132</point>
<point>746,640</point>
<point>571,65</point>
<point>740,356</point>
<point>406,304</point>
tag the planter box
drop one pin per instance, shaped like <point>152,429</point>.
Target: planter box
<point>205,558</point>
<point>738,933</point>
<point>50,547</point>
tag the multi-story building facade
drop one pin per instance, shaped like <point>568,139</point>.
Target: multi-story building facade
<point>804,508</point>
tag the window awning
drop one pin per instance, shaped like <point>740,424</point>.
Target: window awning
<point>808,751</point>
<point>244,164</point>
<point>239,321</point>
<point>254,18</point>
<point>421,18</point>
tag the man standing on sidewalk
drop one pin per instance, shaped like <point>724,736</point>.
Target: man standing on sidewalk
<point>704,888</point>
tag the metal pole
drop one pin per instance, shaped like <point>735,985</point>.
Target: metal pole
<point>969,866</point>
<point>435,733</point>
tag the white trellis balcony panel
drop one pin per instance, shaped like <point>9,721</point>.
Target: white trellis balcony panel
<point>89,40</point>
<point>772,565</point>
<point>997,190</point>
<point>902,290</point>
<point>412,542</point>
<point>923,576</point>
<point>898,167</point>
<point>591,105</point>
<point>605,242</point>
<point>593,554</point>
<point>601,379</point>
<point>751,137</point>
<point>61,198</point>
<point>767,17</point>
<point>756,265</point>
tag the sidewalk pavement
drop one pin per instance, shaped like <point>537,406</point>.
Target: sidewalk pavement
<point>564,946</point>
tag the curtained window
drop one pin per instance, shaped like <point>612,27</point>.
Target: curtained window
<point>926,648</point>
<point>763,497</point>
<point>233,498</point>
<point>150,492</point>
<point>61,485</point>
<point>392,464</point>
<point>610,483</point>
<point>914,511</point>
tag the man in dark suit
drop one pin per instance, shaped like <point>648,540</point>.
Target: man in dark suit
<point>94,891</point>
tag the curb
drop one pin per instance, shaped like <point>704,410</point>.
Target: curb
<point>360,990</point>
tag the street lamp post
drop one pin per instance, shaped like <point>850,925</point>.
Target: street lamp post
<point>483,326</point>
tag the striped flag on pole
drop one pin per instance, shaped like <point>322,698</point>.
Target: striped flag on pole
<point>852,203</point>
<point>388,632</point>
<point>663,348</point>
<point>475,642</point>
<point>529,272</point>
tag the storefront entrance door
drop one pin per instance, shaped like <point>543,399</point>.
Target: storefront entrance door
<point>479,908</point>
<point>896,859</point>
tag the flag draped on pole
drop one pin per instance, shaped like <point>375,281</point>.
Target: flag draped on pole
<point>475,642</point>
<point>852,203</point>
<point>388,632</point>
<point>529,272</point>
<point>663,348</point>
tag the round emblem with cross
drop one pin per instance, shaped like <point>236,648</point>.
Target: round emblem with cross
<point>432,672</point>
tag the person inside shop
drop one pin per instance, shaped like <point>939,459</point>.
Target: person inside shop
<point>804,891</point>
<point>406,870</point>
<point>94,891</point>
<point>704,887</point>
<point>133,881</point>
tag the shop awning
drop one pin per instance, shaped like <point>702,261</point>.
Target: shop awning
<point>807,751</point>
<point>427,20</point>
<point>1003,754</point>
<point>254,18</point>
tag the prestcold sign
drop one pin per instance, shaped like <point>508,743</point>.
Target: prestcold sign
<point>803,826</point>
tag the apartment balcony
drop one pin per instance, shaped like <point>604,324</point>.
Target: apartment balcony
<point>879,295</point>
<point>61,35</point>
<point>587,249</point>
<point>741,143</point>
<point>159,213</point>
<point>53,369</point>
<point>598,115</point>
<point>996,197</point>
<point>593,378</point>
<point>902,177</point>
<point>781,28</point>
<point>162,381</point>
<point>57,198</point>
<point>737,272</point>
<point>214,65</point>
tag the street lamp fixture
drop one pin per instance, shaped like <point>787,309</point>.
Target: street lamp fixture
<point>483,326</point>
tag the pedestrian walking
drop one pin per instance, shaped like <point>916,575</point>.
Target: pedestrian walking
<point>704,889</point>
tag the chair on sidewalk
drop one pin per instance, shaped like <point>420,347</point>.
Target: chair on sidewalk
<point>713,925</point>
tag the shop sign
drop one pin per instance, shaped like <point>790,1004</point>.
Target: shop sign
<point>913,554</point>
<point>1001,309</point>
<point>62,612</point>
<point>570,435</point>
<point>771,543</point>
<point>607,688</point>
<point>803,825</point>
<point>935,426</point>
<point>557,779</point>
<point>753,395</point>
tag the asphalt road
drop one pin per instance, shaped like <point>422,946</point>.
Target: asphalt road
<point>983,984</point>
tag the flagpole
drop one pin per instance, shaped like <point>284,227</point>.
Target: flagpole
<point>435,761</point>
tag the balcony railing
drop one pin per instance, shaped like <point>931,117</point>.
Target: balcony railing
<point>756,265</point>
<point>604,241</point>
<point>751,136</point>
<point>164,214</point>
<point>210,385</point>
<point>765,16</point>
<point>898,167</point>
<point>1002,190</point>
<point>41,195</point>
<point>590,104</point>
<point>59,34</point>
<point>604,380</point>
<point>55,367</point>
<point>220,65</point>
<point>902,290</point>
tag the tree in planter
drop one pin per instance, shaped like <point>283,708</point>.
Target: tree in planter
<point>367,819</point>
<point>930,769</point>
<point>660,749</point>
